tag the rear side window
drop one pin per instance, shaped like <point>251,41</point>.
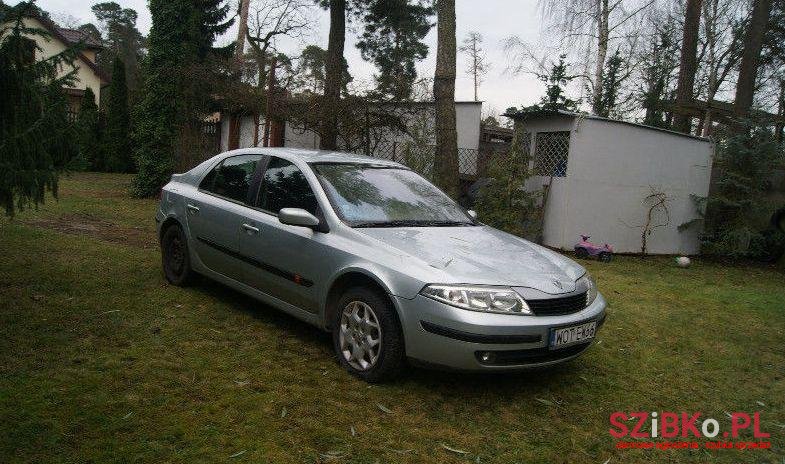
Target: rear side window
<point>232,177</point>
<point>285,186</point>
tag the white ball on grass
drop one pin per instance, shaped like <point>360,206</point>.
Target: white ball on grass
<point>683,261</point>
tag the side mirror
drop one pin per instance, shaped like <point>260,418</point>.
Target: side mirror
<point>297,217</point>
<point>472,213</point>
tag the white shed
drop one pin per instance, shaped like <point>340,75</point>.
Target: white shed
<point>600,173</point>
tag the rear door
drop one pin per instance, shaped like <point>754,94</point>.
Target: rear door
<point>289,260</point>
<point>215,214</point>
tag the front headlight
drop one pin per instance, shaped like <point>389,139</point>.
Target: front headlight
<point>591,288</point>
<point>478,298</point>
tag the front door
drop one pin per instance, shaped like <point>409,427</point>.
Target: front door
<point>217,211</point>
<point>289,260</point>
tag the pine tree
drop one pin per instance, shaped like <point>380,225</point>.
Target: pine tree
<point>503,202</point>
<point>177,86</point>
<point>392,40</point>
<point>117,145</point>
<point>555,94</point>
<point>89,133</point>
<point>35,133</point>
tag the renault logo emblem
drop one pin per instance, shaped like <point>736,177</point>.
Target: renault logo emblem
<point>557,284</point>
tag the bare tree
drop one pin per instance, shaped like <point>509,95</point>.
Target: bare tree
<point>657,215</point>
<point>594,22</point>
<point>748,69</point>
<point>688,65</point>
<point>268,21</point>
<point>478,67</point>
<point>446,161</point>
<point>242,32</point>
<point>721,53</point>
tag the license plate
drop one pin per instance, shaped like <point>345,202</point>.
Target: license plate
<point>566,336</point>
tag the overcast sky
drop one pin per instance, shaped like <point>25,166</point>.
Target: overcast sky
<point>494,19</point>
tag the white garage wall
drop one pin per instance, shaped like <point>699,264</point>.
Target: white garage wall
<point>612,167</point>
<point>554,218</point>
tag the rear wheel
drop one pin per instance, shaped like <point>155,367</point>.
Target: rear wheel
<point>174,256</point>
<point>367,336</point>
<point>581,253</point>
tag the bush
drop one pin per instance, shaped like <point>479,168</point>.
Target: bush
<point>737,210</point>
<point>503,201</point>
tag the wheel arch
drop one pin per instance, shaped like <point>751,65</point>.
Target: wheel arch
<point>350,278</point>
<point>169,222</point>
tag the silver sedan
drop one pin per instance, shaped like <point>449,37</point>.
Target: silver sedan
<point>372,252</point>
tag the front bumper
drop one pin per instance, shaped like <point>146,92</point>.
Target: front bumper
<point>440,335</point>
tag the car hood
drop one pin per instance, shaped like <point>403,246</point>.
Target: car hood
<point>481,255</point>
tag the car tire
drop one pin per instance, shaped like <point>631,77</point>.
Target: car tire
<point>175,258</point>
<point>372,308</point>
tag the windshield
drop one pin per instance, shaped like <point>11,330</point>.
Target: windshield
<point>379,196</point>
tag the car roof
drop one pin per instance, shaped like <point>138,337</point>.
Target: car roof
<point>314,156</point>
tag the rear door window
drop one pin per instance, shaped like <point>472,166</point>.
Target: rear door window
<point>231,179</point>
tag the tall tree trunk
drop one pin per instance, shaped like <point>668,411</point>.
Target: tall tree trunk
<point>242,32</point>
<point>603,14</point>
<point>446,160</point>
<point>778,125</point>
<point>474,68</point>
<point>748,70</point>
<point>688,65</point>
<point>710,19</point>
<point>333,75</point>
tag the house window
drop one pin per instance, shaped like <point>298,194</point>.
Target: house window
<point>550,153</point>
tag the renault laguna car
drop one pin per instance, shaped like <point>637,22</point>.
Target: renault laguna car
<point>369,250</point>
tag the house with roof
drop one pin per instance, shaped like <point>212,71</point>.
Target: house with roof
<point>620,183</point>
<point>88,74</point>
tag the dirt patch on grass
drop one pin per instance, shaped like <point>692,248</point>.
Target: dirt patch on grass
<point>91,226</point>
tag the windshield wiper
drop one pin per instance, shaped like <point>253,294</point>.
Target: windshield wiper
<point>411,223</point>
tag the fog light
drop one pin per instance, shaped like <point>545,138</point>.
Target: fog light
<point>486,357</point>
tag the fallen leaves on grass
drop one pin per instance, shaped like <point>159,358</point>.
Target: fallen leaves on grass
<point>383,408</point>
<point>545,402</point>
<point>454,450</point>
<point>330,455</point>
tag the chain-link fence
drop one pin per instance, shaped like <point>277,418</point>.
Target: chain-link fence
<point>550,153</point>
<point>420,157</point>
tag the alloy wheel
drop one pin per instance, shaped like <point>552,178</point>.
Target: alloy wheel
<point>176,255</point>
<point>360,336</point>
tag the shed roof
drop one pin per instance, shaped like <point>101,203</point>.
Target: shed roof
<point>548,114</point>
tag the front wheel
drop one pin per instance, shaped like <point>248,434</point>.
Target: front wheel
<point>174,256</point>
<point>367,336</point>
<point>605,257</point>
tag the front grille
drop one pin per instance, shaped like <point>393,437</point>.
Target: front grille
<point>558,306</point>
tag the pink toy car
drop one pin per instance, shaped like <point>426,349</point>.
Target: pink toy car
<point>586,249</point>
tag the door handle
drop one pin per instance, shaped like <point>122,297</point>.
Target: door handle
<point>192,208</point>
<point>251,229</point>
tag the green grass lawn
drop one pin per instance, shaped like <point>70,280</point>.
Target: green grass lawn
<point>102,361</point>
